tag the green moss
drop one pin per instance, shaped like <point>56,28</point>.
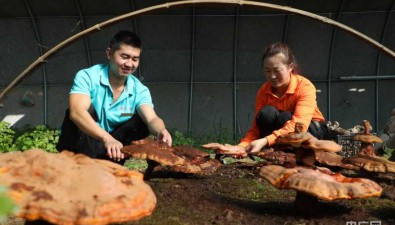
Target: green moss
<point>136,164</point>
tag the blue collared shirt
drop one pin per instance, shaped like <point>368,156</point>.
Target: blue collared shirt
<point>94,82</point>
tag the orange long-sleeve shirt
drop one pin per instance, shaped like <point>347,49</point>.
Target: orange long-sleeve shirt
<point>299,99</point>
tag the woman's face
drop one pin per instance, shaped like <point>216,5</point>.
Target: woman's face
<point>277,73</point>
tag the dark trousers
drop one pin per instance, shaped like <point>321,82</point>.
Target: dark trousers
<point>73,139</point>
<point>270,119</point>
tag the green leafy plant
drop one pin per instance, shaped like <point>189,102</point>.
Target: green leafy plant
<point>40,137</point>
<point>136,164</point>
<point>7,136</point>
<point>7,206</point>
<point>388,153</point>
<point>180,138</point>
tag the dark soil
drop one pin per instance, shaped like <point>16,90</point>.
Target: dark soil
<point>233,195</point>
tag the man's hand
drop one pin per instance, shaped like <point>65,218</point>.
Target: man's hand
<point>257,145</point>
<point>165,137</point>
<point>113,148</point>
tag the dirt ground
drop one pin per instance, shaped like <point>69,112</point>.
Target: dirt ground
<point>233,195</point>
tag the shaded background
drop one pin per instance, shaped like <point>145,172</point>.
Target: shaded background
<point>202,63</point>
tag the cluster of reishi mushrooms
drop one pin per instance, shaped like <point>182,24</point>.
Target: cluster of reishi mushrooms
<point>298,161</point>
<point>367,159</point>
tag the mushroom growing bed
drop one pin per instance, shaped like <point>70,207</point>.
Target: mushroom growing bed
<point>234,195</point>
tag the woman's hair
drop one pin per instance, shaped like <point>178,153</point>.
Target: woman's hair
<point>277,48</point>
<point>125,37</point>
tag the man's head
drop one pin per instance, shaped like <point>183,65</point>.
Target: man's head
<point>125,37</point>
<point>123,54</point>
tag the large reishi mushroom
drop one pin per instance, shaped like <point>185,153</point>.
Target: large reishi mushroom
<point>73,189</point>
<point>185,159</point>
<point>320,183</point>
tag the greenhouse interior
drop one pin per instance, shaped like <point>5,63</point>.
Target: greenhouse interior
<point>208,120</point>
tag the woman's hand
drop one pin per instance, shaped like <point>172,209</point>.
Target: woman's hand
<point>257,145</point>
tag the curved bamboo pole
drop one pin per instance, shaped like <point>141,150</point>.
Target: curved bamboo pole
<point>98,27</point>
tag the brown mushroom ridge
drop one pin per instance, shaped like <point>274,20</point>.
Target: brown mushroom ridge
<point>371,163</point>
<point>73,189</point>
<point>320,182</point>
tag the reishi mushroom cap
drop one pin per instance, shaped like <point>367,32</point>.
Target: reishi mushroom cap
<point>294,139</point>
<point>73,189</point>
<point>226,149</point>
<point>367,138</point>
<point>332,159</point>
<point>325,145</point>
<point>185,159</point>
<point>320,182</point>
<point>371,163</point>
<point>151,149</point>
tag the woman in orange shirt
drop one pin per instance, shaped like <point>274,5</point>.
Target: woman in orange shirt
<point>286,98</point>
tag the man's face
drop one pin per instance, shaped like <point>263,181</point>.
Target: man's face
<point>123,61</point>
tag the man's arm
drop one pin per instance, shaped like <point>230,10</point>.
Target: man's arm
<point>78,106</point>
<point>155,124</point>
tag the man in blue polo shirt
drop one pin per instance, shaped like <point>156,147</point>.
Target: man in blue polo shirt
<point>109,107</point>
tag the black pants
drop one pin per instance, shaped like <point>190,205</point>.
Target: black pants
<point>270,119</point>
<point>73,139</point>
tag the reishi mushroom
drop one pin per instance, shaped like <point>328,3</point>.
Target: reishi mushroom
<point>371,163</point>
<point>185,159</point>
<point>320,182</point>
<point>367,139</point>
<point>226,149</point>
<point>310,151</point>
<point>296,138</point>
<point>310,181</point>
<point>278,157</point>
<point>73,189</point>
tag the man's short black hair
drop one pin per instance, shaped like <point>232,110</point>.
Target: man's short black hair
<point>125,37</point>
